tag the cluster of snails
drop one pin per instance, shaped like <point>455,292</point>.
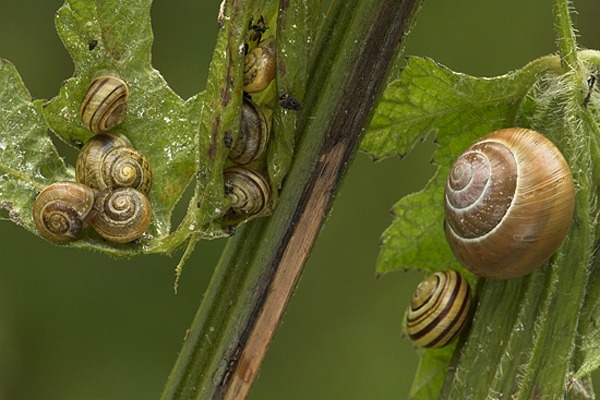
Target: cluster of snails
<point>509,203</point>
<point>247,189</point>
<point>113,178</point>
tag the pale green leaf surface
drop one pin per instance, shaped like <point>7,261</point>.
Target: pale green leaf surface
<point>28,160</point>
<point>429,380</point>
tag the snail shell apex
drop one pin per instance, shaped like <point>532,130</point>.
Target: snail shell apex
<point>104,103</point>
<point>259,66</point>
<point>124,215</point>
<point>439,309</point>
<point>61,209</point>
<point>247,190</point>
<point>509,202</point>
<point>108,160</point>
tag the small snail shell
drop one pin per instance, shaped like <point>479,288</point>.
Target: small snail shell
<point>254,135</point>
<point>123,215</point>
<point>509,202</point>
<point>259,66</point>
<point>104,104</point>
<point>60,210</point>
<point>248,190</point>
<point>438,310</point>
<point>108,160</point>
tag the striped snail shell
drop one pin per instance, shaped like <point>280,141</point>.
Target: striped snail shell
<point>108,160</point>
<point>248,190</point>
<point>438,309</point>
<point>61,209</point>
<point>254,135</point>
<point>104,104</point>
<point>509,202</point>
<point>123,215</point>
<point>259,66</point>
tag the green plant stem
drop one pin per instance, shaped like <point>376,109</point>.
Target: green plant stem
<point>567,46</point>
<point>525,331</point>
<point>262,262</point>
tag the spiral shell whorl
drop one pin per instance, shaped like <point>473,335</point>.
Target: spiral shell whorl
<point>479,187</point>
<point>251,143</point>
<point>127,167</point>
<point>104,104</point>
<point>248,190</point>
<point>108,160</point>
<point>519,214</point>
<point>60,210</point>
<point>124,215</point>
<point>439,309</point>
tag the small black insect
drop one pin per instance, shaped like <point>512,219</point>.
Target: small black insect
<point>591,81</point>
<point>92,44</point>
<point>231,229</point>
<point>289,102</point>
<point>257,30</point>
<point>228,139</point>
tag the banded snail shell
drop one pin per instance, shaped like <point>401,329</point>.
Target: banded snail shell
<point>108,160</point>
<point>251,143</point>
<point>247,189</point>
<point>509,202</point>
<point>124,214</point>
<point>104,103</point>
<point>439,309</point>
<point>259,66</point>
<point>60,210</point>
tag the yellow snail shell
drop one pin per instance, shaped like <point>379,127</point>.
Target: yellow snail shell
<point>509,202</point>
<point>123,215</point>
<point>248,190</point>
<point>439,309</point>
<point>108,160</point>
<point>254,135</point>
<point>104,104</point>
<point>259,66</point>
<point>61,209</point>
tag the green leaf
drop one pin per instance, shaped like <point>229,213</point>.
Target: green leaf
<point>28,160</point>
<point>432,369</point>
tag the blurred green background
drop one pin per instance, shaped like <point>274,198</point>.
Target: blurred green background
<point>80,325</point>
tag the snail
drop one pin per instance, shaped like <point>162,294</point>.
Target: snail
<point>108,160</point>
<point>254,135</point>
<point>123,214</point>
<point>259,66</point>
<point>248,190</point>
<point>61,210</point>
<point>509,201</point>
<point>438,309</point>
<point>104,104</point>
